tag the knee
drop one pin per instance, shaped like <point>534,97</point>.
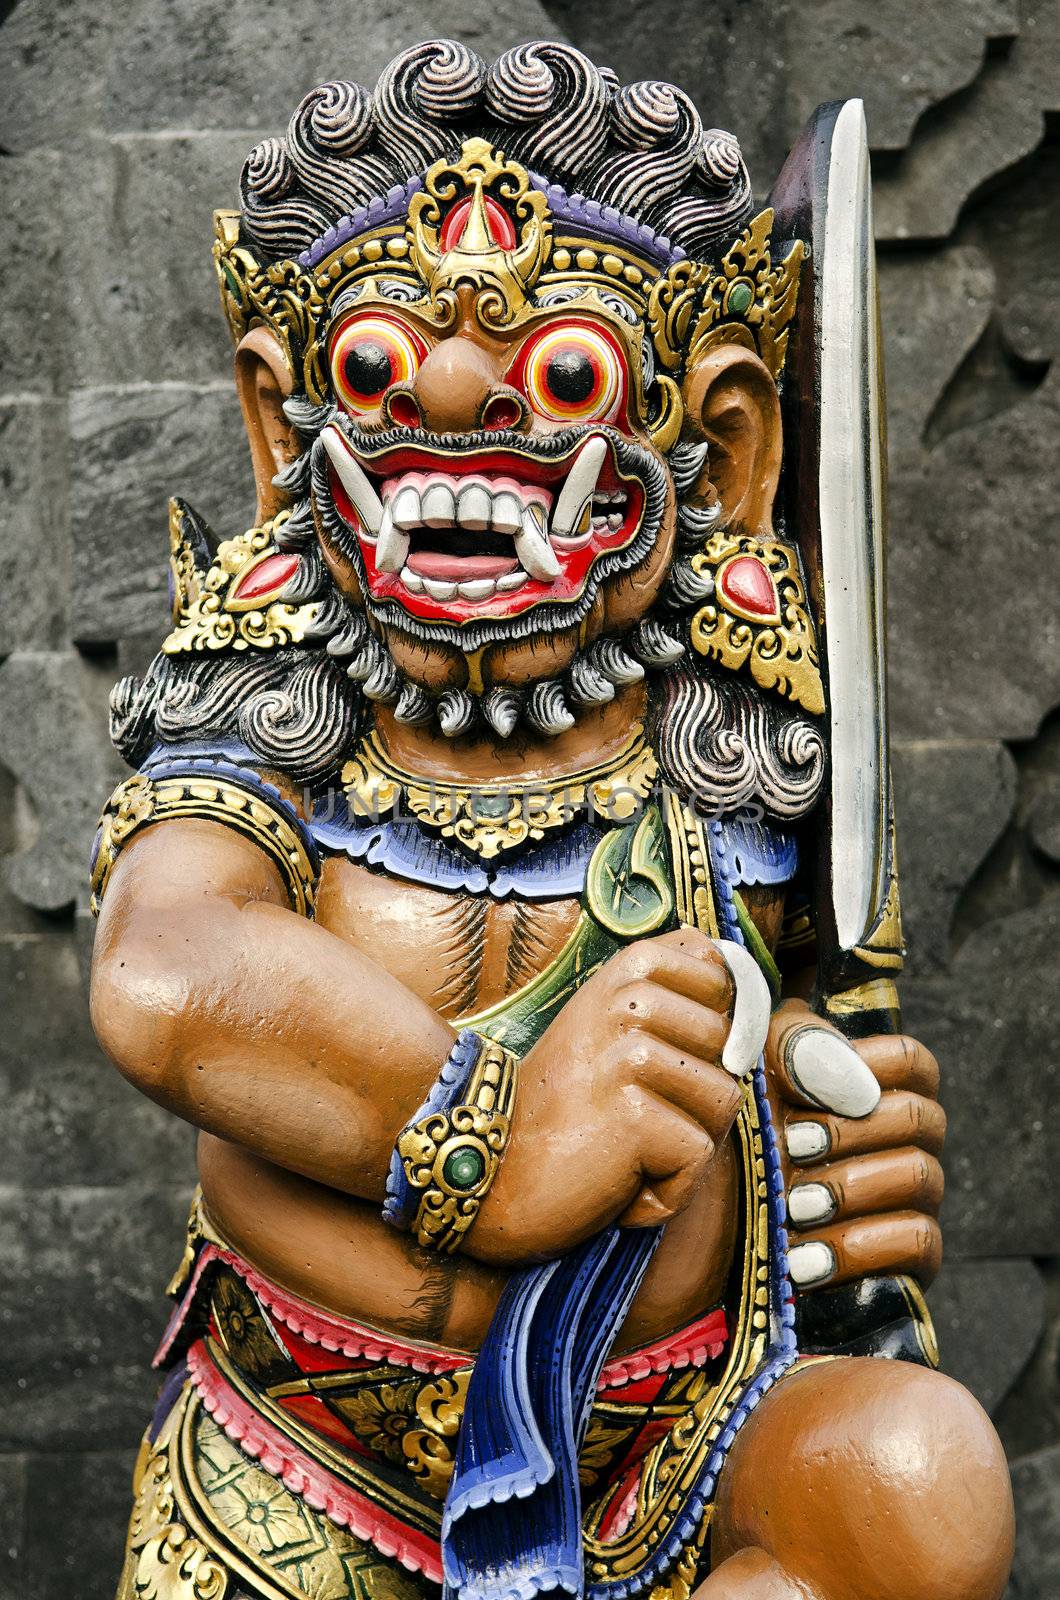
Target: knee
<point>872,1480</point>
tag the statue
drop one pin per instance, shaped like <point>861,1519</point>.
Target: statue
<point>506,886</point>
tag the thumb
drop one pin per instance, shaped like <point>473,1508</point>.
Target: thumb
<point>813,1065</point>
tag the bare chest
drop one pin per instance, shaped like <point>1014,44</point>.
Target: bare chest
<point>460,953</point>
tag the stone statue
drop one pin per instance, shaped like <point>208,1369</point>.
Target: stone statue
<point>506,887</point>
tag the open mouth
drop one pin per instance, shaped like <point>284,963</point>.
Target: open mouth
<point>486,533</point>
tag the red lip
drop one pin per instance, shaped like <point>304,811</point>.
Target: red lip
<point>576,556</point>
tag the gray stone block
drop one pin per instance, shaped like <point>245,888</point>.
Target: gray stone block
<point>145,305</point>
<point>77,1512</point>
<point>34,557</point>
<point>131,448</point>
<point>84,1270</point>
<point>12,1526</point>
<point>974,644</point>
<point>974,136</point>
<point>991,1022</point>
<point>935,858</point>
<point>33,308</point>
<point>934,306</point>
<point>988,1315</point>
<point>53,711</point>
<point>1036,1487</point>
<point>130,65</point>
<point>69,1117</point>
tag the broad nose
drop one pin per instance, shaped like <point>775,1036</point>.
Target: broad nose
<point>460,387</point>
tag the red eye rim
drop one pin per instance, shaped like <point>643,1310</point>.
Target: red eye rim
<point>390,338</point>
<point>603,402</point>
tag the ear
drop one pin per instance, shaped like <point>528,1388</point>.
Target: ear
<point>731,401</point>
<point>263,382</point>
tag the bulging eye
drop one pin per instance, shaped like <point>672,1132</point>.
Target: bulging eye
<point>370,354</point>
<point>573,373</point>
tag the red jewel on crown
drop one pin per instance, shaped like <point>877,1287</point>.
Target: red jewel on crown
<point>745,586</point>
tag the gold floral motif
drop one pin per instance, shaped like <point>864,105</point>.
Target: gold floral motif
<point>781,653</point>
<point>412,1423</point>
<point>492,817</point>
<point>130,806</point>
<point>282,297</point>
<point>175,1566</point>
<point>244,1329</point>
<point>748,301</point>
<point>213,619</point>
<point>141,800</point>
<point>502,277</point>
<point>475,1132</point>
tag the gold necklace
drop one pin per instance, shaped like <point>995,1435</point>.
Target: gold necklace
<point>488,818</point>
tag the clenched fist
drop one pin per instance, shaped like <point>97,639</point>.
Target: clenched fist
<point>626,1096</point>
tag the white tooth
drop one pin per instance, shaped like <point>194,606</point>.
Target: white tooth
<point>353,479</point>
<point>412,580</point>
<point>474,506</point>
<point>507,513</point>
<point>439,590</point>
<point>438,507</point>
<point>615,520</point>
<point>581,481</point>
<point>534,551</point>
<point>476,588</point>
<point>392,546</point>
<point>511,580</point>
<point>406,507</point>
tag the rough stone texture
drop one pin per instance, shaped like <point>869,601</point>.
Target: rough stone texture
<point>125,125</point>
<point>124,445</point>
<point>1006,1297</point>
<point>1036,1487</point>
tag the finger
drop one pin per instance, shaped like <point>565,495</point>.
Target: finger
<point>815,1066</point>
<point>902,1242</point>
<point>899,1119</point>
<point>750,1012</point>
<point>687,1083</point>
<point>690,964</point>
<point>707,980</point>
<point>674,1153</point>
<point>898,1062</point>
<point>887,1180</point>
<point>670,1017</point>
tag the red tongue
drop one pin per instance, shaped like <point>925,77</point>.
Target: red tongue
<point>436,564</point>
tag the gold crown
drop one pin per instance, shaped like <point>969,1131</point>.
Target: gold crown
<point>509,245</point>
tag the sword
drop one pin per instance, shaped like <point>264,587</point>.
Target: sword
<point>835,435</point>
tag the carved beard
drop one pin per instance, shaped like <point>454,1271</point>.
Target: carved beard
<point>719,740</point>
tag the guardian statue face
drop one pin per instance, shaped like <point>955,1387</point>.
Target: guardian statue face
<point>506,390</point>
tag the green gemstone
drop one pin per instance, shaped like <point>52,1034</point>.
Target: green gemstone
<point>464,1168</point>
<point>740,297</point>
<point>490,805</point>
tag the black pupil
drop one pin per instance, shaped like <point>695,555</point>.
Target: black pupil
<point>367,368</point>
<point>571,376</point>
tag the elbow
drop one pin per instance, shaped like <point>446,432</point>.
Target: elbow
<point>139,1003</point>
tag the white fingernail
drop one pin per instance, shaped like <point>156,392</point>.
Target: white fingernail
<point>811,1263</point>
<point>750,1011</point>
<point>805,1140</point>
<point>831,1073</point>
<point>810,1202</point>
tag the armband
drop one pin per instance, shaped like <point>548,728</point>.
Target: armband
<point>240,801</point>
<point>447,1157</point>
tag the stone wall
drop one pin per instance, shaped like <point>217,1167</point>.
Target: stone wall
<point>121,126</point>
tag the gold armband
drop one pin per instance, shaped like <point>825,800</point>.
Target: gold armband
<point>450,1156</point>
<point>258,813</point>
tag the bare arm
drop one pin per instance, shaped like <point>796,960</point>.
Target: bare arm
<point>246,1019</point>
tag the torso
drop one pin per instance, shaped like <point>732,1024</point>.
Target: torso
<point>462,954</point>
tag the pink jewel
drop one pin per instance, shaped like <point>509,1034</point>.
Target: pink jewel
<point>267,578</point>
<point>746,586</point>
